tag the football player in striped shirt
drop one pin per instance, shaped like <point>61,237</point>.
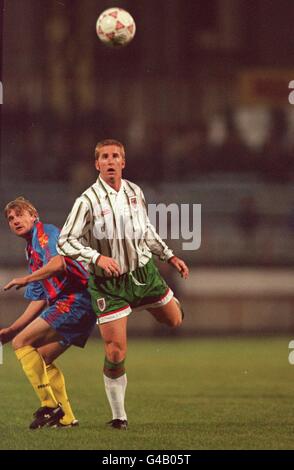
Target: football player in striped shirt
<point>59,313</point>
<point>109,229</point>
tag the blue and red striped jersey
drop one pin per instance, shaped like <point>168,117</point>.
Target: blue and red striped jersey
<point>41,247</point>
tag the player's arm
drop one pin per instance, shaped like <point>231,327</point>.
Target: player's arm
<point>32,311</point>
<point>73,231</point>
<point>54,266</point>
<point>158,247</point>
<point>180,266</point>
<point>152,239</point>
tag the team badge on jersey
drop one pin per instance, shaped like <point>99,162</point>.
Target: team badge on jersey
<point>134,202</point>
<point>43,240</point>
<point>101,304</point>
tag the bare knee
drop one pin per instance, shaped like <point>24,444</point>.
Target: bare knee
<point>170,315</point>
<point>115,351</point>
<point>19,342</point>
<point>174,322</point>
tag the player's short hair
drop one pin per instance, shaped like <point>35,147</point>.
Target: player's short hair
<point>21,204</point>
<point>105,142</point>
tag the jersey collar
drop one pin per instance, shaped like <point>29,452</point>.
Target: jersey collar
<point>108,189</point>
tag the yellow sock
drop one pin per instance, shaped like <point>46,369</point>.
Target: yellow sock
<point>35,369</point>
<point>57,383</point>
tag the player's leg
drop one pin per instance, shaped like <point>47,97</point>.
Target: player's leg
<point>155,295</point>
<point>25,345</point>
<point>114,335</point>
<point>111,307</point>
<point>50,352</point>
<point>171,314</point>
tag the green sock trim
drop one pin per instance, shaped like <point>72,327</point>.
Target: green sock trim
<point>113,370</point>
<point>113,365</point>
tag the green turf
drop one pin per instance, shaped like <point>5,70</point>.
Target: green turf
<point>182,394</point>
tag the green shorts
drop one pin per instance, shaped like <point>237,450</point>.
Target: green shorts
<point>115,297</point>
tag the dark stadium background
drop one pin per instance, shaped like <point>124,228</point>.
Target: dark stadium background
<point>200,99</point>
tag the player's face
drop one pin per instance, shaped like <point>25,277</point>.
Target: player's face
<point>20,222</point>
<point>110,163</point>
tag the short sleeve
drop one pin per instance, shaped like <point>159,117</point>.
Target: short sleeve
<point>52,242</point>
<point>35,291</point>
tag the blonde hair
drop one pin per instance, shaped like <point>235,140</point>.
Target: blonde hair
<point>105,142</point>
<point>22,204</point>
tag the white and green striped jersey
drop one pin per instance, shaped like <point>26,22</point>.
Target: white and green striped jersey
<point>115,224</point>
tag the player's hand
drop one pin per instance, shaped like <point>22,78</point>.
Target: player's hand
<point>18,282</point>
<point>109,265</point>
<point>6,335</point>
<point>180,266</point>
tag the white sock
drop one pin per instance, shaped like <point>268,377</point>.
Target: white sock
<point>115,391</point>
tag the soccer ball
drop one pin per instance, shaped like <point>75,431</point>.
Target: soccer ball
<point>115,27</point>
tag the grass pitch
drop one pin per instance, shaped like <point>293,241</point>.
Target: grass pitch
<point>183,394</point>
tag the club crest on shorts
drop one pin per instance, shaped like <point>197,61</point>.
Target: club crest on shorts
<point>134,202</point>
<point>101,304</point>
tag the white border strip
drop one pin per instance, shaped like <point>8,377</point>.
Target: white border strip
<point>114,316</point>
<point>159,303</point>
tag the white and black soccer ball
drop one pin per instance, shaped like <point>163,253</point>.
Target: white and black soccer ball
<point>115,27</point>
